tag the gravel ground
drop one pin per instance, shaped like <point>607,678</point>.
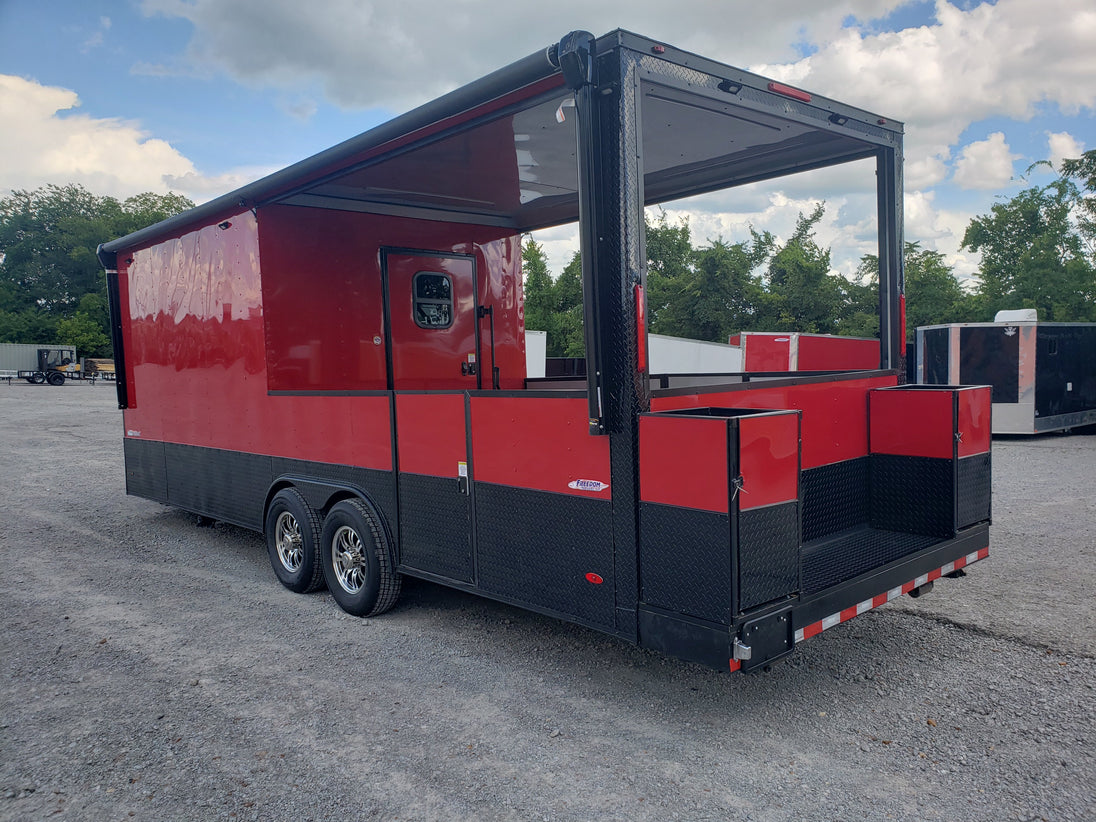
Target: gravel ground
<point>153,669</point>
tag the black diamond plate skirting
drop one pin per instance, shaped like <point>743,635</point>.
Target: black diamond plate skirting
<point>685,561</point>
<point>975,482</point>
<point>835,497</point>
<point>768,554</point>
<point>435,526</point>
<point>536,548</point>
<point>913,494</point>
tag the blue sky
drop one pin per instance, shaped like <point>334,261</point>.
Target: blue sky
<point>201,96</point>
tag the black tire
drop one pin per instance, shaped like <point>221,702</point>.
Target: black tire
<point>357,562</point>
<point>292,531</point>
<point>37,378</point>
<point>55,378</point>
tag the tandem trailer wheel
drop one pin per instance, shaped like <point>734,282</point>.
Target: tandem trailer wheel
<point>357,562</point>
<point>292,531</point>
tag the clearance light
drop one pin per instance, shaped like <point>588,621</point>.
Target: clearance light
<point>788,91</point>
<point>902,322</point>
<point>594,578</point>
<point>658,49</point>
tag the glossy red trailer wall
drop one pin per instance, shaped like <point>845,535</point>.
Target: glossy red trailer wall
<point>196,363</point>
<point>835,411</point>
<point>324,301</point>
<point>199,322</point>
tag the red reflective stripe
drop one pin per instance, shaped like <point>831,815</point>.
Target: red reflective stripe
<point>641,329</point>
<point>735,664</point>
<point>814,629</point>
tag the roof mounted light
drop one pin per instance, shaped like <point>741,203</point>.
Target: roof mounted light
<point>788,91</point>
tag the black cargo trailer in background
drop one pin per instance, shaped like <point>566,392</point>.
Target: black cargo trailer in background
<point>1043,375</point>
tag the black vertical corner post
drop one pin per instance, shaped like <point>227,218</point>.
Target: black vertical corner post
<point>109,261</point>
<point>576,55</point>
<point>613,260</point>
<point>892,277</point>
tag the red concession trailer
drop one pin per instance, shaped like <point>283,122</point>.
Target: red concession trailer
<point>794,351</point>
<point>333,355</point>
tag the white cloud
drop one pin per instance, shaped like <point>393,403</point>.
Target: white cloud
<point>108,156</point>
<point>985,165</point>
<point>1000,59</point>
<point>369,53</point>
<point>1063,146</point>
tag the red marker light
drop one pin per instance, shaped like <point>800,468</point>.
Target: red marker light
<point>658,49</point>
<point>902,322</point>
<point>788,91</point>
<point>594,578</point>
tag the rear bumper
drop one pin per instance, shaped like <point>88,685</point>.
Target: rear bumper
<point>772,632</point>
<point>840,603</point>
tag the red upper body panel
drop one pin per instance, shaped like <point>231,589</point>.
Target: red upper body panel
<point>835,413</point>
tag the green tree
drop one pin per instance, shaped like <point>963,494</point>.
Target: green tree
<point>1033,255</point>
<point>83,332</point>
<point>48,265</point>
<point>1083,168</point>
<point>569,325</point>
<point>670,259</point>
<point>802,294</point>
<point>538,286</point>
<point>553,306</point>
<point>933,294</point>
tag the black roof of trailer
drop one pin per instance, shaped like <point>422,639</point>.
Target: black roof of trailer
<point>501,150</point>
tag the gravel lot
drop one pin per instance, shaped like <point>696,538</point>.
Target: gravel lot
<point>153,669</point>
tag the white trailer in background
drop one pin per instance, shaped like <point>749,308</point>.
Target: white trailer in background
<point>666,356</point>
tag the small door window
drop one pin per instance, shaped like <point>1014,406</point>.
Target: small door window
<point>432,299</point>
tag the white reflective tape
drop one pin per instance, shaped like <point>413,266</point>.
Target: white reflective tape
<point>947,569</point>
<point>921,580</point>
<point>972,557</point>
<point>799,635</point>
<point>861,607</point>
<point>894,593</point>
<point>831,620</point>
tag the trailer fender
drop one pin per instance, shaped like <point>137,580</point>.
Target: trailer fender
<point>322,495</point>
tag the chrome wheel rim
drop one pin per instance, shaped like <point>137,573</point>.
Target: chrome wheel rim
<point>348,559</point>
<point>290,543</point>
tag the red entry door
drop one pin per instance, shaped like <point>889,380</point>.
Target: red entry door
<point>432,321</point>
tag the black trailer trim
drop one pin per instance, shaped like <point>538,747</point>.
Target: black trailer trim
<point>780,379</point>
<point>536,66</point>
<point>114,306</point>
